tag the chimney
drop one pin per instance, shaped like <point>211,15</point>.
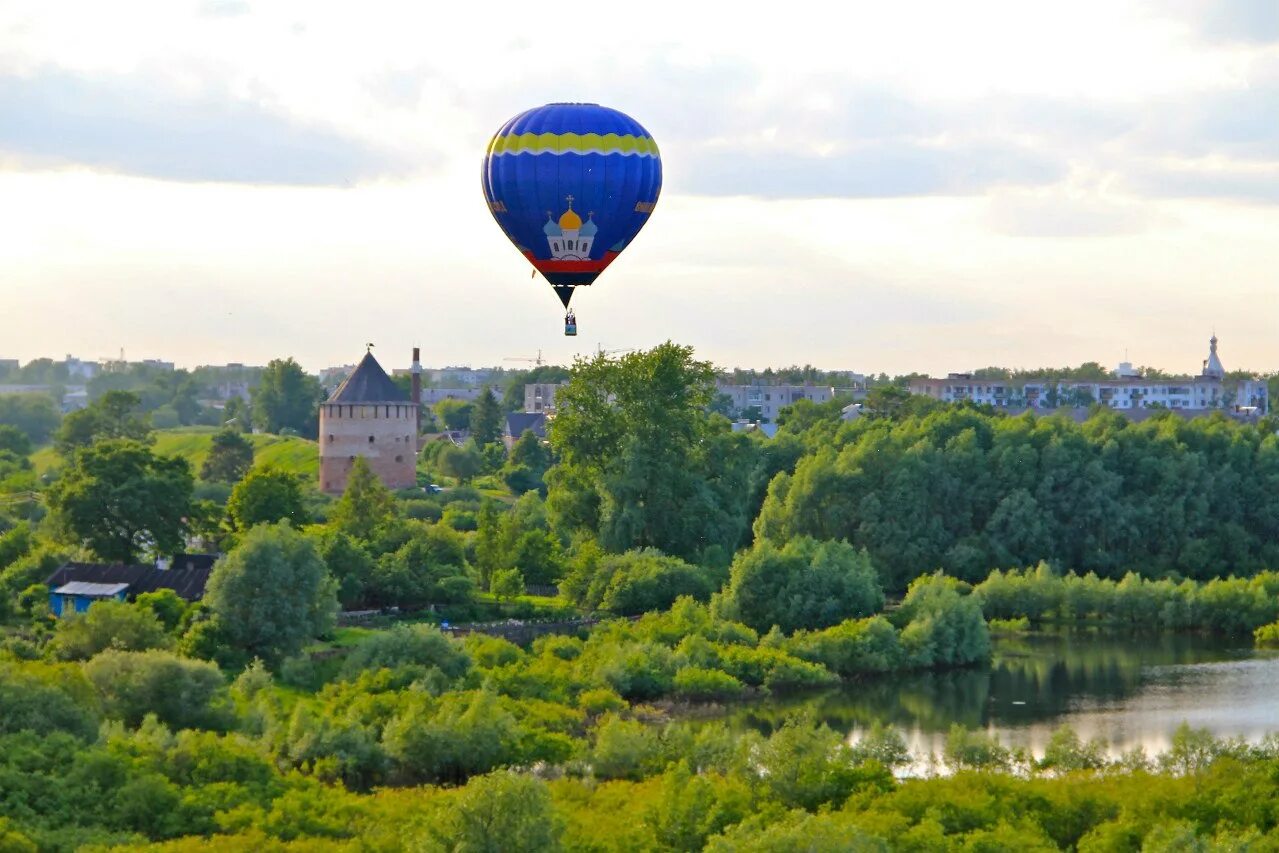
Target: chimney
<point>162,564</point>
<point>416,394</point>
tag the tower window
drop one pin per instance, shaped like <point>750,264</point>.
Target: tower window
<point>399,459</point>
<point>370,439</point>
<point>330,439</point>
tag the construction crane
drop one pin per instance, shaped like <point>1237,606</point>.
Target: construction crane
<point>537,361</point>
<point>599,350</point>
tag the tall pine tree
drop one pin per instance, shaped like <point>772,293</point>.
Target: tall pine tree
<point>486,419</point>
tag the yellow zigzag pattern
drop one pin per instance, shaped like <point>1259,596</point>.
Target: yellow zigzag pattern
<point>573,143</point>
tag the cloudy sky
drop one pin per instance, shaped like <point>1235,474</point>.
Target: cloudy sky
<point>896,187</point>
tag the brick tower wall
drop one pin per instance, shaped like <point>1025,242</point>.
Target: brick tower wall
<point>383,433</point>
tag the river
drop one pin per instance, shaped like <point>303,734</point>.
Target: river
<point>1127,690</point>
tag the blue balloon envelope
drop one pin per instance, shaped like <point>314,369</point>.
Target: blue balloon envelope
<point>571,185</point>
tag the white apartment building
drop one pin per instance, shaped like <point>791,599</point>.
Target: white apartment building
<point>1207,391</point>
<point>769,400</point>
<point>540,396</point>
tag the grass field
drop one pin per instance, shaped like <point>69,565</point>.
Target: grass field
<point>192,444</point>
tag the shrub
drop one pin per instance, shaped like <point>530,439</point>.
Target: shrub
<point>852,648</point>
<point>107,625</point>
<point>600,700</point>
<point>694,682</point>
<point>943,627</point>
<point>1267,635</point>
<point>624,749</point>
<point>1020,625</point>
<point>182,693</point>
<point>408,645</point>
<point>634,582</point>
<point>806,584</point>
<point>42,699</point>
<point>772,668</point>
<point>974,750</point>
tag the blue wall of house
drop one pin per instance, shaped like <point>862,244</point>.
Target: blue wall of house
<point>61,604</point>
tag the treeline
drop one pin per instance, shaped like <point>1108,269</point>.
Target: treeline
<point>1222,605</point>
<point>969,491</point>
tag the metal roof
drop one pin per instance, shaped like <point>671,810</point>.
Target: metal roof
<point>368,384</point>
<point>92,590</point>
<point>188,583</point>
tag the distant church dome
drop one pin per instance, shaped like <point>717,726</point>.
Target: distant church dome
<point>550,229</point>
<point>1212,365</point>
<point>589,228</point>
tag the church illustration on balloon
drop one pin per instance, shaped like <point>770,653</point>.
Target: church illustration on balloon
<point>570,239</point>
<point>569,243</point>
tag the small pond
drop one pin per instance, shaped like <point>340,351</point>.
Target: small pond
<point>1129,690</point>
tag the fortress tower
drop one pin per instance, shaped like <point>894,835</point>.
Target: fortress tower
<point>368,415</point>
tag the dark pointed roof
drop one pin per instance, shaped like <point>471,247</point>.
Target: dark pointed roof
<point>518,422</point>
<point>369,384</point>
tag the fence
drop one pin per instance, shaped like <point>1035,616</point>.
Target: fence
<point>524,632</point>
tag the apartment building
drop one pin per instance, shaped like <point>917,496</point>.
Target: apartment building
<point>1128,390</point>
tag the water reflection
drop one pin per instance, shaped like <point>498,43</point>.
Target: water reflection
<point>1129,691</point>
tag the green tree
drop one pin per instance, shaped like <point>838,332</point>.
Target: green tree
<point>286,397</point>
<point>408,645</point>
<point>47,700</point>
<point>806,584</point>
<point>429,568</point>
<point>633,582</point>
<point>14,440</point>
<point>182,693</point>
<point>490,552</point>
<point>348,562</point>
<point>119,498</point>
<point>496,811</point>
<point>486,419</point>
<point>272,594</point>
<point>641,462</point>
<point>805,764</point>
<point>365,506</point>
<point>236,415</point>
<point>462,463</point>
<point>165,604</point>
<point>35,415</point>
<point>974,750</point>
<point>454,414</point>
<point>265,496</point>
<point>116,414</point>
<point>1065,752</point>
<point>508,583</point>
<point>525,468</point>
<point>107,625</point>
<point>230,457</point>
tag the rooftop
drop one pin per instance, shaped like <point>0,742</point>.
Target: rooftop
<point>369,384</point>
<point>92,590</point>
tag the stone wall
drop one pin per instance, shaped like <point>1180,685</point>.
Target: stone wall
<point>382,433</point>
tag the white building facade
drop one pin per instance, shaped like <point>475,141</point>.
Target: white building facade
<point>1207,391</point>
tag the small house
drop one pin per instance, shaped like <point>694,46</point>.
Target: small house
<point>75,587</point>
<point>519,422</point>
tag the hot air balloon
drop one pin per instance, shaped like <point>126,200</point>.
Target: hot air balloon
<point>571,185</point>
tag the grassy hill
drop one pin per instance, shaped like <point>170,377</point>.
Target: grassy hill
<point>192,444</point>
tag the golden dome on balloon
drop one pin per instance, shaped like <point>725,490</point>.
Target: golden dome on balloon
<point>569,220</point>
